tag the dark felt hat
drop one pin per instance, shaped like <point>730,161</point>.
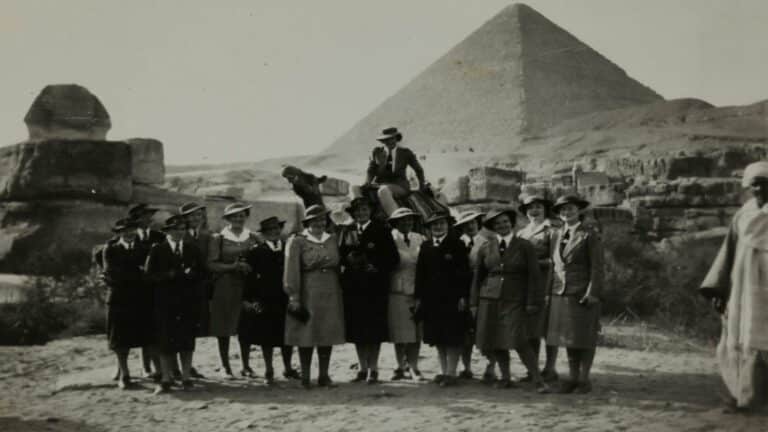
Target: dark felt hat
<point>124,225</point>
<point>579,202</point>
<point>436,217</point>
<point>140,210</point>
<point>493,214</point>
<point>390,133</point>
<point>174,222</point>
<point>271,223</point>
<point>357,202</point>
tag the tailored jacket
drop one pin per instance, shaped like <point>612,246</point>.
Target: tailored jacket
<point>579,267</point>
<point>402,159</point>
<point>513,276</point>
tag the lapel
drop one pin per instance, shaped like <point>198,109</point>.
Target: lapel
<point>510,253</point>
<point>579,235</point>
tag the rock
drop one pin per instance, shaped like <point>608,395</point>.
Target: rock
<point>494,184</point>
<point>56,169</point>
<point>12,286</point>
<point>221,191</point>
<point>334,187</point>
<point>147,160</point>
<point>456,191</point>
<point>67,111</point>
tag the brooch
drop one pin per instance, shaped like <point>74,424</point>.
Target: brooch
<point>371,245</point>
<point>448,257</point>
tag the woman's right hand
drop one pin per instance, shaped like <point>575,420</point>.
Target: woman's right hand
<point>294,305</point>
<point>718,304</point>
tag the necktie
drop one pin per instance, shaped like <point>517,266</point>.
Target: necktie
<point>194,234</point>
<point>389,161</point>
<point>471,244</point>
<point>407,240</point>
<point>502,246</point>
<point>177,249</point>
<point>564,242</point>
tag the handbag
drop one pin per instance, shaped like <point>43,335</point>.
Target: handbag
<point>300,313</point>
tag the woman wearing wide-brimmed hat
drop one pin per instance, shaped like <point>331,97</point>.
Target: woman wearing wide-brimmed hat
<point>226,262</point>
<point>173,267</point>
<point>128,297</point>
<point>315,307</point>
<point>468,226</point>
<point>404,332</point>
<point>506,289</point>
<point>577,284</point>
<point>262,321</point>
<point>368,256</point>
<point>442,288</point>
<point>539,232</point>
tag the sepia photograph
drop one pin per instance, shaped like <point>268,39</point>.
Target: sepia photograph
<point>403,215</point>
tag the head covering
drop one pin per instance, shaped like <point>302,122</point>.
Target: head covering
<point>314,212</point>
<point>530,199</point>
<point>570,199</point>
<point>468,216</point>
<point>493,214</point>
<point>357,202</point>
<point>190,207</point>
<point>270,223</point>
<point>140,210</point>
<point>124,224</point>
<point>235,208</point>
<point>755,169</point>
<point>389,133</point>
<point>402,212</point>
<point>436,217</point>
<point>174,222</point>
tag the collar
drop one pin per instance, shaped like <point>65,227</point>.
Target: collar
<point>194,232</point>
<point>125,244</point>
<point>314,239</point>
<point>572,228</point>
<point>439,240</point>
<point>507,239</point>
<point>173,244</point>
<point>364,226</point>
<point>394,149</point>
<point>467,239</point>
<point>276,246</point>
<point>229,235</point>
<point>143,233</point>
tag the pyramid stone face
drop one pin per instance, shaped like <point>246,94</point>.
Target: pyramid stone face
<point>517,74</point>
<point>67,111</point>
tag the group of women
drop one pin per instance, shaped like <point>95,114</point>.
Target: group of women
<point>451,285</point>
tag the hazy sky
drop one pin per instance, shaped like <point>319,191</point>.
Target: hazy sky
<point>223,81</point>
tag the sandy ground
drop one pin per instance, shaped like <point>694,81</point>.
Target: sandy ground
<point>657,385</point>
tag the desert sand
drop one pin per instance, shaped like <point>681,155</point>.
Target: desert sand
<point>644,381</point>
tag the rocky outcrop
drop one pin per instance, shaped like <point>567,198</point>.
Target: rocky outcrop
<point>56,169</point>
<point>67,111</point>
<point>147,161</point>
<point>494,184</point>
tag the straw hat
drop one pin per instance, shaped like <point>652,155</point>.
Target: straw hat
<point>235,208</point>
<point>570,199</point>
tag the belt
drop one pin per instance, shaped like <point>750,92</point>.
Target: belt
<point>321,270</point>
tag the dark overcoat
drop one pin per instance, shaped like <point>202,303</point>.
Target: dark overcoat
<point>264,285</point>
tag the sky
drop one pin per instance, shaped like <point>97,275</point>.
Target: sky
<point>231,80</point>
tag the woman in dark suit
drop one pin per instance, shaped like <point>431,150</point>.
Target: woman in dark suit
<point>442,289</point>
<point>574,317</point>
<point>506,290</point>
<point>368,257</point>
<point>173,267</point>
<point>262,321</point>
<point>128,297</point>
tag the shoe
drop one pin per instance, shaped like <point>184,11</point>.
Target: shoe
<point>360,377</point>
<point>187,384</point>
<point>176,375</point>
<point>489,378</point>
<point>584,387</point>
<point>543,388</point>
<point>227,374</point>
<point>398,375</point>
<point>449,381</point>
<point>568,387</point>
<point>116,377</point>
<point>161,388</point>
<point>504,383</point>
<point>416,376</point>
<point>373,377</point>
<point>306,383</point>
<point>156,377</point>
<point>247,373</point>
<point>549,375</point>
<point>269,376</point>
<point>526,379</point>
<point>195,374</point>
<point>325,381</point>
<point>439,378</point>
<point>292,374</point>
<point>466,374</point>
<point>125,383</point>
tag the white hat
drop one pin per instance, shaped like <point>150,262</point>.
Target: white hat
<point>401,213</point>
<point>756,169</point>
<point>467,216</point>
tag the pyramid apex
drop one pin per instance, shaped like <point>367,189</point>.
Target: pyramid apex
<point>516,7</point>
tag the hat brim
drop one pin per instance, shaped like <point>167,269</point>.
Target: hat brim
<point>382,138</point>
<point>581,204</point>
<point>279,224</point>
<point>468,219</point>
<point>523,208</point>
<point>488,223</point>
<point>436,218</point>
<point>403,216</point>
<point>192,210</point>
<point>240,210</point>
<point>306,219</point>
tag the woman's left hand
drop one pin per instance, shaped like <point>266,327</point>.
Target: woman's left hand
<point>462,305</point>
<point>589,300</point>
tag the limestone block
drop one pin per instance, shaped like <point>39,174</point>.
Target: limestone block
<point>456,191</point>
<point>148,162</point>
<point>494,184</point>
<point>56,169</point>
<point>334,187</point>
<point>67,111</point>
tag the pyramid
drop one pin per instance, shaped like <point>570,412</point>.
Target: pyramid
<point>513,77</point>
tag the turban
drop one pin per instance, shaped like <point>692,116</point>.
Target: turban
<point>756,169</point>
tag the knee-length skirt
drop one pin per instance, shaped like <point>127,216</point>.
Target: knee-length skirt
<point>571,324</point>
<point>225,305</point>
<point>321,296</point>
<point>501,325</point>
<point>402,327</point>
<point>266,328</point>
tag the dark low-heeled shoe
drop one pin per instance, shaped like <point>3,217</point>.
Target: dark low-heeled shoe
<point>360,377</point>
<point>195,374</point>
<point>504,383</point>
<point>125,383</point>
<point>163,387</point>
<point>269,376</point>
<point>489,378</point>
<point>449,381</point>
<point>156,377</point>
<point>549,375</point>
<point>306,383</point>
<point>439,378</point>
<point>467,375</point>
<point>325,381</point>
<point>187,384</point>
<point>584,387</point>
<point>248,373</point>
<point>292,374</point>
<point>176,375</point>
<point>526,379</point>
<point>398,375</point>
<point>373,377</point>
<point>568,387</point>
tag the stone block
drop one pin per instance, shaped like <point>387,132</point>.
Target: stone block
<point>456,191</point>
<point>56,169</point>
<point>147,160</point>
<point>223,191</point>
<point>334,187</point>
<point>494,184</point>
<point>67,111</point>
